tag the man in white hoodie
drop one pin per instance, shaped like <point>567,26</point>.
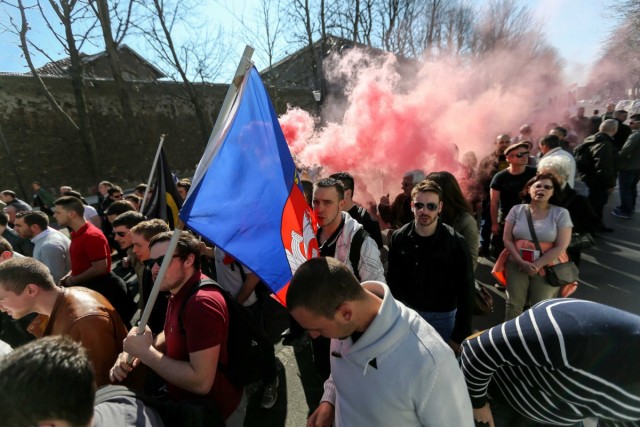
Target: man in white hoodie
<point>388,366</point>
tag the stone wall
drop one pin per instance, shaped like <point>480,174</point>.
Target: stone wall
<point>45,147</point>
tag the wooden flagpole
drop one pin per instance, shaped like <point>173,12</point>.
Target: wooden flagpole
<point>153,170</point>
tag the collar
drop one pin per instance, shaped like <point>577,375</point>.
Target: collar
<point>40,326</point>
<point>332,239</point>
<point>42,235</point>
<point>81,230</point>
<point>414,233</point>
<point>382,334</point>
<point>553,150</point>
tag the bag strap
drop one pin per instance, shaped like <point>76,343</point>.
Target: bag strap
<point>355,248</point>
<point>532,230</point>
<point>204,283</point>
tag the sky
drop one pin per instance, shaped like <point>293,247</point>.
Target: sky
<point>575,27</point>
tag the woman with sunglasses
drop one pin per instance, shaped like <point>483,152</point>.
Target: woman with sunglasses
<point>523,264</point>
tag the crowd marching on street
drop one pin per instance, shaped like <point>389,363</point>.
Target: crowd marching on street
<point>386,308</point>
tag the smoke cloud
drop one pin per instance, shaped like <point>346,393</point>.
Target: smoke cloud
<point>395,117</point>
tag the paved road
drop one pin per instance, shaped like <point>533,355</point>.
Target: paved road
<point>609,273</point>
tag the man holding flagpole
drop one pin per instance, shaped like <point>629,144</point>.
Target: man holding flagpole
<point>187,357</point>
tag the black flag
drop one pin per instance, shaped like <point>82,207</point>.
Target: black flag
<point>165,201</point>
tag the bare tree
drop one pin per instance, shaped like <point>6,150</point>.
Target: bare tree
<point>265,27</point>
<point>195,58</point>
<point>21,31</point>
<point>68,13</point>
<point>504,24</point>
<point>304,32</point>
<point>103,12</point>
<point>617,71</point>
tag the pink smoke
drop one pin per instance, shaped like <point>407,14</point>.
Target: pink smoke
<point>399,118</point>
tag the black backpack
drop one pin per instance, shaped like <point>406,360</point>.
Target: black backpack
<point>354,250</point>
<point>247,343</point>
<point>172,414</point>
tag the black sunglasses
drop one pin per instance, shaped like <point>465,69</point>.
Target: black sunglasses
<point>148,264</point>
<point>521,155</point>
<point>431,206</point>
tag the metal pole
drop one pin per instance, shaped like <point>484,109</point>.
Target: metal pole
<point>153,170</point>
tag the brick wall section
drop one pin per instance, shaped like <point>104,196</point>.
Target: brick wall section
<point>46,148</point>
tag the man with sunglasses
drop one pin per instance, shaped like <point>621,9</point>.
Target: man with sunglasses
<point>506,187</point>
<point>188,351</point>
<point>430,267</point>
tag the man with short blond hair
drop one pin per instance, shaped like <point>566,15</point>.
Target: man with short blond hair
<point>141,234</point>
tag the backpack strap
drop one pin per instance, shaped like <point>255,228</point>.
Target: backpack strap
<point>355,249</point>
<point>243,275</point>
<point>205,283</point>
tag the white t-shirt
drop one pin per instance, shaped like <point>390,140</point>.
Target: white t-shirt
<point>546,229</point>
<point>89,212</point>
<point>230,277</point>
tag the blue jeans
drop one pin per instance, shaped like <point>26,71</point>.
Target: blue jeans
<point>628,188</point>
<point>443,322</point>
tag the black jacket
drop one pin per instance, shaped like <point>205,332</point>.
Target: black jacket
<point>582,215</point>
<point>370,225</point>
<point>604,154</point>
<point>438,278</point>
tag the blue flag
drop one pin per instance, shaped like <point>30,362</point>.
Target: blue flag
<point>246,196</point>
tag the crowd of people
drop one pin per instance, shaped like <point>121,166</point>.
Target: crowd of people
<point>387,306</point>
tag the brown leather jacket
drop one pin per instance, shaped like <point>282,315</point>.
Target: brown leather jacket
<point>88,318</point>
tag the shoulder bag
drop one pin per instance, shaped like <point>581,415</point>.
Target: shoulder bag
<point>560,274</point>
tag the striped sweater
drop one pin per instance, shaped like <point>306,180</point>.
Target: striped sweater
<point>560,362</point>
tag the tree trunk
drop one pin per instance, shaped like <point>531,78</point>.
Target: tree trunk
<point>76,72</point>
<point>114,62</point>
